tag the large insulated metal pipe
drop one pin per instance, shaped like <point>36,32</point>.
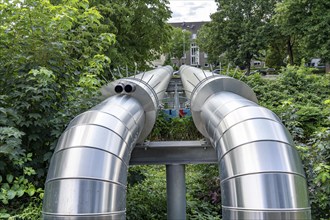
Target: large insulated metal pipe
<point>260,170</point>
<point>88,171</point>
<point>148,87</point>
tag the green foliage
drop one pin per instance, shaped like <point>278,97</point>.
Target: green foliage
<point>276,53</point>
<point>140,27</point>
<point>179,43</point>
<point>29,40</point>
<point>288,30</point>
<point>32,211</point>
<point>306,22</point>
<point>240,29</point>
<point>297,96</point>
<point>301,100</point>
<point>146,199</point>
<point>18,186</point>
<point>316,157</point>
<point>203,192</point>
<point>174,129</point>
<point>48,77</point>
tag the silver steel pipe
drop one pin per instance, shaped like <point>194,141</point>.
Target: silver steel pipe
<point>149,88</point>
<point>88,172</point>
<point>260,170</point>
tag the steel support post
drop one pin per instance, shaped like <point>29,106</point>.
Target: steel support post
<point>176,192</point>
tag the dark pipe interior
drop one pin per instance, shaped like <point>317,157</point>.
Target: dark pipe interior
<point>129,88</point>
<point>119,88</point>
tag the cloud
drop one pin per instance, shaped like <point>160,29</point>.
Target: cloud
<point>195,10</point>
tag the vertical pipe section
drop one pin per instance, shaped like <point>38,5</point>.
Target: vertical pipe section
<point>88,171</point>
<point>261,173</point>
<point>176,192</point>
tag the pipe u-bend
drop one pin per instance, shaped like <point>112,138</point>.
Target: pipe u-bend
<point>260,170</point>
<point>88,171</point>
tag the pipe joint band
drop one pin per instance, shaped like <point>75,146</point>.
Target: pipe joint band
<point>210,87</point>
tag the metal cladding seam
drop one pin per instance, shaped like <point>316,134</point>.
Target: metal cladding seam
<point>260,170</point>
<point>149,87</point>
<point>87,176</point>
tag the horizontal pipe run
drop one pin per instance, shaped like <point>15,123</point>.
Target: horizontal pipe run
<point>147,87</point>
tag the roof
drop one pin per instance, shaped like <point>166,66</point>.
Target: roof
<point>193,27</point>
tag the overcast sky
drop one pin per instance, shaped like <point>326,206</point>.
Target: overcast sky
<point>192,10</point>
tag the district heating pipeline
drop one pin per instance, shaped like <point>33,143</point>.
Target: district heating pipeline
<point>260,170</point>
<point>88,171</point>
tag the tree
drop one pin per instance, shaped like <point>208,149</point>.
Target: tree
<point>287,21</point>
<point>140,27</point>
<point>307,20</point>
<point>29,40</point>
<point>207,42</point>
<point>276,52</point>
<point>179,43</point>
<point>240,29</point>
<point>51,61</point>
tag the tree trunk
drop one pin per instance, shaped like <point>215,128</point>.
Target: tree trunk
<point>327,67</point>
<point>248,69</point>
<point>248,59</point>
<point>290,51</point>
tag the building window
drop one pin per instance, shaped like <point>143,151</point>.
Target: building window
<point>194,54</point>
<point>205,55</point>
<point>194,36</point>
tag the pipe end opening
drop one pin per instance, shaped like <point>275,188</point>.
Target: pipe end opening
<point>129,88</point>
<point>119,88</point>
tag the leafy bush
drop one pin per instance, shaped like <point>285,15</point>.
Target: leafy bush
<point>174,129</point>
<point>301,100</point>
<point>316,157</point>
<point>203,192</point>
<point>146,199</point>
<point>47,78</point>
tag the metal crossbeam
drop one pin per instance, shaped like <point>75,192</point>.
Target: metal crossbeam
<point>175,82</point>
<point>173,152</point>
